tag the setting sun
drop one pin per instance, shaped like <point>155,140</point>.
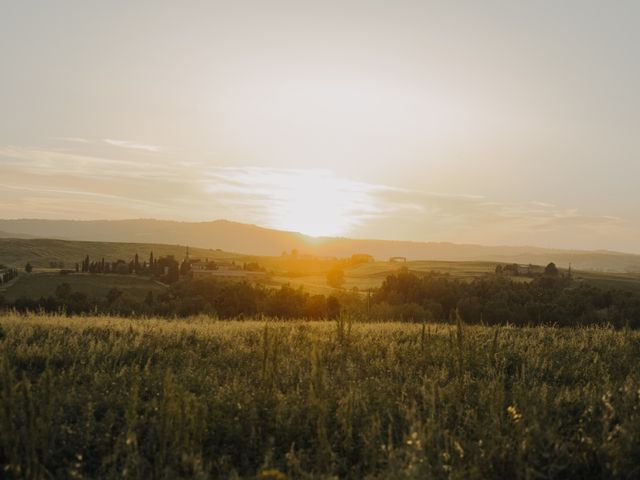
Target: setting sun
<point>317,203</point>
<point>312,202</point>
<point>287,239</point>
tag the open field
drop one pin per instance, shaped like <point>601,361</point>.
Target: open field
<point>100,397</point>
<point>39,252</point>
<point>254,240</point>
<point>455,269</point>
<point>36,285</point>
<point>622,281</point>
<point>310,273</point>
<point>371,275</point>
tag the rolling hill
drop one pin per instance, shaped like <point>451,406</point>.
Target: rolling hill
<point>252,239</point>
<point>40,252</point>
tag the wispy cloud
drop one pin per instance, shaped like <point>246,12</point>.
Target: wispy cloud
<point>56,162</point>
<point>36,181</point>
<point>133,145</point>
<point>72,139</point>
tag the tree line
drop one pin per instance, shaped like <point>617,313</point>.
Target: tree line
<point>165,268</point>
<point>551,298</point>
<point>209,296</point>
<point>7,274</point>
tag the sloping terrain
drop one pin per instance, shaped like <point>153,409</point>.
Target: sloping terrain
<point>251,239</point>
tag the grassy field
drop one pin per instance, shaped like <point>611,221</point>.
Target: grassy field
<point>622,281</point>
<point>114,398</point>
<point>371,275</point>
<point>309,273</point>
<point>40,252</point>
<point>455,269</point>
<point>38,285</point>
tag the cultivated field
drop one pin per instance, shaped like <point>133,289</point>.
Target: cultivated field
<point>36,285</point>
<point>114,398</point>
<point>307,272</point>
<point>371,275</point>
<point>40,252</point>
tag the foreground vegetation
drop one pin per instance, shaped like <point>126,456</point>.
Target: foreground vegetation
<point>106,397</point>
<point>550,298</point>
<point>43,285</point>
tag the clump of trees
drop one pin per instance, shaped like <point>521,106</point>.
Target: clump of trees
<point>225,299</point>
<point>335,277</point>
<point>65,300</point>
<point>166,269</point>
<point>228,299</point>
<point>253,267</point>
<point>7,274</point>
<point>550,298</point>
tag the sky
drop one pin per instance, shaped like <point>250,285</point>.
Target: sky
<point>494,122</point>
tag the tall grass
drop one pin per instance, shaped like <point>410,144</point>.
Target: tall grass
<point>103,397</point>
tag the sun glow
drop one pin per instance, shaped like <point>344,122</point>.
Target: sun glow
<point>318,204</point>
<point>312,202</point>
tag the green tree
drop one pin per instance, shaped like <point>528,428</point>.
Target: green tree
<point>333,308</point>
<point>316,307</point>
<point>122,268</point>
<point>470,309</point>
<point>551,270</point>
<point>113,295</point>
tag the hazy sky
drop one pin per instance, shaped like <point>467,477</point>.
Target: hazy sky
<point>489,122</point>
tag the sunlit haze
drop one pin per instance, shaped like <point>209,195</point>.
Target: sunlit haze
<point>476,122</point>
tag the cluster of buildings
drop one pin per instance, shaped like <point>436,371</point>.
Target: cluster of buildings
<point>206,269</point>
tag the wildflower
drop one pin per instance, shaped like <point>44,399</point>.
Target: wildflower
<point>458,448</point>
<point>272,474</point>
<point>413,440</point>
<point>513,412</point>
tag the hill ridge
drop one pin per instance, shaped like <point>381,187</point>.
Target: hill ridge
<point>253,239</point>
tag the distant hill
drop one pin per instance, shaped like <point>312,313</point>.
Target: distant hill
<point>14,235</point>
<point>251,239</point>
<point>40,252</point>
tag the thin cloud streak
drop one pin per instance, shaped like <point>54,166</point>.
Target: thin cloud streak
<point>62,192</point>
<point>40,180</point>
<point>133,145</point>
<point>71,139</point>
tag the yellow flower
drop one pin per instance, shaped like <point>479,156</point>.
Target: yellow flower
<point>272,474</point>
<point>515,415</point>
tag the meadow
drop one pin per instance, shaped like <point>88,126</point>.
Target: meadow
<point>107,397</point>
<point>368,276</point>
<point>38,285</point>
<point>16,252</point>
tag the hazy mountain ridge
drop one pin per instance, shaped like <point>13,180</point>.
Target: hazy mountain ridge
<point>15,235</point>
<point>41,251</point>
<point>252,239</point>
